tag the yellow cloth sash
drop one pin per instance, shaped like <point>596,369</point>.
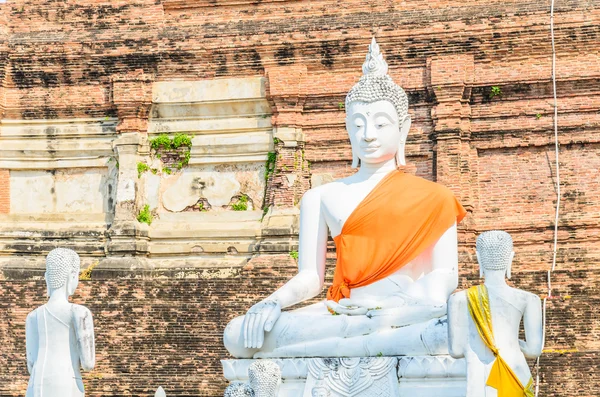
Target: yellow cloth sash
<point>502,377</point>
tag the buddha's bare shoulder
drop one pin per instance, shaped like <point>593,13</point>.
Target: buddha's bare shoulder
<point>32,315</point>
<point>526,295</point>
<point>334,188</point>
<point>460,296</point>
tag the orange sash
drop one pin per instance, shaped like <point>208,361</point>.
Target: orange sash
<point>399,219</point>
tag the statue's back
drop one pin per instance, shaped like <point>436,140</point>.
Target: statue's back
<point>56,369</point>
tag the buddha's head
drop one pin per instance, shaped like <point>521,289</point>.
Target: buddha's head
<point>239,389</point>
<point>495,252</point>
<point>264,377</point>
<point>62,270</point>
<point>377,118</point>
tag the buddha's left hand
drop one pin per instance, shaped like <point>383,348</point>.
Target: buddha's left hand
<point>346,306</point>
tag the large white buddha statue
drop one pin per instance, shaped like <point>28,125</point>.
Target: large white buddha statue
<point>396,245</point>
<point>484,324</point>
<point>59,334</point>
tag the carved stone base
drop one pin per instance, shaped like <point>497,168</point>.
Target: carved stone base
<point>423,376</point>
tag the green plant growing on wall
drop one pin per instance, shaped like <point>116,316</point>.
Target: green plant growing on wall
<point>181,140</point>
<point>495,91</point>
<point>294,254</point>
<point>167,171</point>
<point>141,168</point>
<point>145,215</point>
<point>270,166</point>
<point>168,150</point>
<point>86,274</point>
<point>242,203</point>
<point>341,105</point>
<point>265,211</point>
<point>538,116</point>
<point>162,141</point>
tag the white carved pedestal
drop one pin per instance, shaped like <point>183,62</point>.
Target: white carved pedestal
<point>420,376</point>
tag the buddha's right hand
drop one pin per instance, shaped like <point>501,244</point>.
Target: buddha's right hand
<point>260,319</point>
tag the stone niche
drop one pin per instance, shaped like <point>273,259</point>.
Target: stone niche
<point>230,125</point>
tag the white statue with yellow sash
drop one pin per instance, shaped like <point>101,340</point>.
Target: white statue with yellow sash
<point>484,325</point>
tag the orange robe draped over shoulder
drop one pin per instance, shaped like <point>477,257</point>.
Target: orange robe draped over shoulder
<point>401,217</point>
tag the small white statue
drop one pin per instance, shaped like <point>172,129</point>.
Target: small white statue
<point>396,239</point>
<point>59,334</point>
<point>484,325</point>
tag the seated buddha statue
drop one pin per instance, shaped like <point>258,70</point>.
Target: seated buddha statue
<point>396,247</point>
<point>484,324</point>
<point>59,334</point>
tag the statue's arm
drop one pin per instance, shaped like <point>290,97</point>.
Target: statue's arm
<point>312,250</point>
<point>534,330</point>
<point>437,285</point>
<point>84,329</point>
<point>31,340</point>
<point>458,325</point>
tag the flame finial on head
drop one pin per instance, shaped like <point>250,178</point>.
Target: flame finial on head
<point>374,63</point>
<point>376,85</point>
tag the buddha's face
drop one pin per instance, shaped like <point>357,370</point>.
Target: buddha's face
<point>375,131</point>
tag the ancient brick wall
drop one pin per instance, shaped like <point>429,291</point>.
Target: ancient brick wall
<point>478,76</point>
<point>152,332</point>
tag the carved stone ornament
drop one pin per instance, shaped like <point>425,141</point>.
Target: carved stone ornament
<point>264,379</point>
<point>349,377</point>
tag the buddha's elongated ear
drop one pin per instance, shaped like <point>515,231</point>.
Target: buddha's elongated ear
<point>355,160</point>
<point>480,266</point>
<point>47,284</point>
<point>404,128</point>
<point>509,266</point>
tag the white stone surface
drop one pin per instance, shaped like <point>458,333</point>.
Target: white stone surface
<point>422,376</point>
<point>125,190</point>
<point>51,144</point>
<point>152,190</point>
<point>61,191</point>
<point>160,392</point>
<point>209,90</point>
<point>59,334</point>
<point>508,306</point>
<point>402,314</point>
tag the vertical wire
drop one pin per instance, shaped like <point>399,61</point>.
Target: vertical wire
<point>558,195</point>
